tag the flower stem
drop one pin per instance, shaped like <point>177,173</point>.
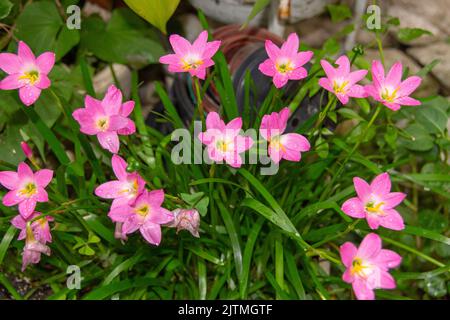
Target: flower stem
<point>199,98</point>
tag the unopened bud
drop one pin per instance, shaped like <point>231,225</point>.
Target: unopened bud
<point>26,150</point>
<point>186,219</point>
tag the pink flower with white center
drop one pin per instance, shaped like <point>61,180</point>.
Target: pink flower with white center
<point>194,58</point>
<point>368,266</point>
<point>126,189</point>
<point>282,146</point>
<point>223,140</point>
<point>33,249</point>
<point>40,227</point>
<point>107,119</point>
<point>376,203</point>
<point>391,90</point>
<point>26,188</point>
<point>26,72</point>
<point>285,63</point>
<point>146,215</point>
<point>186,219</point>
<point>341,81</point>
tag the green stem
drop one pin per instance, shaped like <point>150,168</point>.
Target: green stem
<point>199,98</point>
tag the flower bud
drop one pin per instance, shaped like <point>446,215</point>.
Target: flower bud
<point>26,150</point>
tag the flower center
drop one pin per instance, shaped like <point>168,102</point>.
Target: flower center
<point>31,77</point>
<point>191,63</point>
<point>29,190</point>
<point>222,145</point>
<point>103,124</point>
<point>340,87</point>
<point>358,267</point>
<point>275,142</point>
<point>371,207</point>
<point>284,67</point>
<point>389,96</point>
<point>143,211</point>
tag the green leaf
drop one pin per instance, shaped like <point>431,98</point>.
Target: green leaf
<point>124,39</point>
<point>156,12</point>
<point>202,206</point>
<point>431,220</point>
<point>350,114</point>
<point>339,12</point>
<point>257,8</point>
<point>420,139</point>
<point>43,29</point>
<point>7,238</point>
<point>409,34</point>
<point>432,118</point>
<point>86,250</point>
<point>5,8</point>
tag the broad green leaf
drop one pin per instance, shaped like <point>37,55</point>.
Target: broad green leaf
<point>156,12</point>
<point>431,220</point>
<point>420,139</point>
<point>5,8</point>
<point>432,118</point>
<point>409,34</point>
<point>339,12</point>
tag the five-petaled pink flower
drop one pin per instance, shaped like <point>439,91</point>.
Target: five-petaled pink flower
<point>341,81</point>
<point>376,203</point>
<point>368,266</point>
<point>106,119</point>
<point>40,227</point>
<point>223,140</point>
<point>194,58</point>
<point>146,215</point>
<point>282,146</point>
<point>285,63</point>
<point>26,72</point>
<point>391,90</point>
<point>26,188</point>
<point>126,189</point>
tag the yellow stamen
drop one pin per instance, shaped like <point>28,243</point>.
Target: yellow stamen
<point>276,143</point>
<point>389,96</point>
<point>143,211</point>
<point>103,124</point>
<point>357,267</point>
<point>29,190</point>
<point>284,67</point>
<point>340,87</point>
<point>31,76</point>
<point>191,63</point>
<point>222,146</point>
<point>375,209</point>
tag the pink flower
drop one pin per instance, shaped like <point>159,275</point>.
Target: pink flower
<point>118,233</point>
<point>26,150</point>
<point>146,215</point>
<point>282,146</point>
<point>33,249</point>
<point>40,227</point>
<point>193,58</point>
<point>285,63</point>
<point>26,72</point>
<point>341,81</point>
<point>26,188</point>
<point>391,90</point>
<point>376,203</point>
<point>368,266</point>
<point>186,219</point>
<point>106,119</point>
<point>223,141</point>
<point>126,189</point>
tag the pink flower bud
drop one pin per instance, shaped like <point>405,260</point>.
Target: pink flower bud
<point>186,219</point>
<point>26,149</point>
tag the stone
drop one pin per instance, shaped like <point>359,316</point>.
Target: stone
<point>427,54</point>
<point>104,78</point>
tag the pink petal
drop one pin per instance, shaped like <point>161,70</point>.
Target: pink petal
<point>387,259</point>
<point>267,68</point>
<point>362,189</point>
<point>280,80</point>
<point>10,63</point>
<point>213,121</point>
<point>329,69</point>
<point>11,82</point>
<point>242,143</point>
<point>347,276</point>
<point>233,127</point>
<point>373,220</point>
<point>408,101</point>
<point>156,197</point>
<point>43,177</point>
<point>210,49</point>
<point>151,232</point>
<point>45,62</point>
<point>290,46</point>
<point>24,171</point>
<point>272,50</point>
<point>298,74</point>
<point>386,280</point>
<point>109,141</point>
<point>12,198</point>
<point>29,94</point>
<point>276,154</point>
<point>112,102</point>
<point>392,220</point>
<point>129,129</point>
<point>199,44</point>
<point>41,195</point>
<point>120,214</point>
<point>19,222</point>
<point>117,122</point>
<point>303,57</point>
<point>370,247</point>
<point>409,85</point>
<point>393,199</point>
<point>86,121</point>
<point>295,141</point>
<point>9,179</point>
<point>200,72</point>
<point>171,59</point>
<point>347,251</point>
<point>233,159</point>
<point>381,185</point>
<point>394,75</point>
<point>25,53</point>
<point>179,44</point>
<point>119,166</point>
<point>354,208</point>
<point>392,106</point>
<point>343,98</point>
<point>326,84</point>
<point>26,207</point>
<point>377,73</point>
<point>161,216</point>
<point>131,224</point>
<point>44,82</point>
<point>111,189</point>
<point>344,65</point>
<point>356,76</point>
<point>127,108</point>
<point>372,91</point>
<point>357,91</point>
<point>93,106</point>
<point>362,290</point>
